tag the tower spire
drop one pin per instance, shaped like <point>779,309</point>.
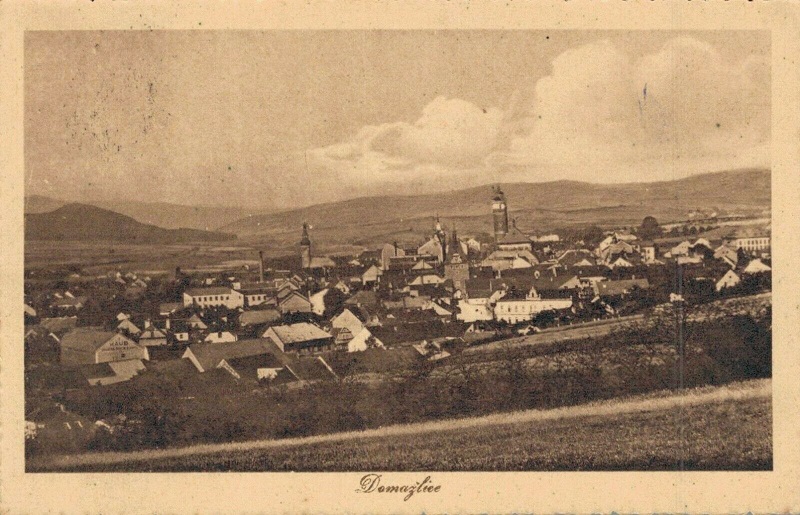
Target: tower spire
<point>305,247</point>
<point>499,214</point>
<point>305,239</point>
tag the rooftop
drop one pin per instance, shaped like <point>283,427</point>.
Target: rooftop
<point>301,332</point>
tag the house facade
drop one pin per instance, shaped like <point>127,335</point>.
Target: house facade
<point>88,345</point>
<point>514,311</point>
<point>213,297</point>
<point>302,338</point>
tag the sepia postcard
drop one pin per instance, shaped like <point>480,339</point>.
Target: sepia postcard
<point>400,257</point>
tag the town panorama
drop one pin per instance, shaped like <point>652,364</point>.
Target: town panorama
<point>513,317</point>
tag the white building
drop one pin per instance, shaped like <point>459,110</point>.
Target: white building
<point>220,337</point>
<point>728,280</point>
<point>346,319</point>
<point>362,341</point>
<point>751,244</point>
<point>474,310</point>
<point>217,296</point>
<point>516,310</point>
<point>756,266</point>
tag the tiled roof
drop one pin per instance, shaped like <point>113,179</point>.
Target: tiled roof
<point>210,354</point>
<point>86,339</point>
<point>301,332</point>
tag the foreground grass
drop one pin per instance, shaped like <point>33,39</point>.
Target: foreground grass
<point>727,428</point>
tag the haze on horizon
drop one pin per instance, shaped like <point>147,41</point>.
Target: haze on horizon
<point>277,119</point>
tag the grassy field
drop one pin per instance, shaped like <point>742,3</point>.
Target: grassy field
<point>100,257</point>
<point>693,430</point>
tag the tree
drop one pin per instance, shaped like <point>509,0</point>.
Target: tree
<point>649,229</point>
<point>334,301</point>
<point>592,235</point>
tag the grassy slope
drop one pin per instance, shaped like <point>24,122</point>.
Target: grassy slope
<point>662,431</point>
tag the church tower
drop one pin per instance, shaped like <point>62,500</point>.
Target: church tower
<point>441,237</point>
<point>305,247</point>
<point>456,267</point>
<point>499,214</point>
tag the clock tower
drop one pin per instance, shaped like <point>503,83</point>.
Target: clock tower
<point>499,214</point>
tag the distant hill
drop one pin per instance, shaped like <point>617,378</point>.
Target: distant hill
<point>41,204</point>
<point>82,222</point>
<point>174,216</point>
<point>161,214</point>
<point>536,207</point>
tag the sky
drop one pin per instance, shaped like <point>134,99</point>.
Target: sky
<point>290,118</point>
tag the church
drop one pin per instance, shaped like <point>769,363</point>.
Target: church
<point>437,245</point>
<point>505,239</point>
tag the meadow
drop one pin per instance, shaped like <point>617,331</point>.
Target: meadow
<point>689,430</point>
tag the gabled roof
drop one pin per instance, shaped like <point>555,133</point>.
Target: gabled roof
<point>414,332</point>
<point>343,331</point>
<point>756,266</point>
<point>300,332</point>
<point>196,320</point>
<point>128,326</point>
<point>86,339</point>
<point>514,236</point>
<point>293,294</point>
<point>572,257</point>
<point>422,265</point>
<point>152,332</point>
<point>210,354</point>
<point>479,288</point>
<point>365,297</point>
<point>127,368</point>
<point>169,307</point>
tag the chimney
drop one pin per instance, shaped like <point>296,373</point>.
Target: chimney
<point>260,266</point>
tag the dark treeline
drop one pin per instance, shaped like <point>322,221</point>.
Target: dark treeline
<point>162,411</point>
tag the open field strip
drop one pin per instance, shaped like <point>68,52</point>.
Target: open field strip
<point>666,404</point>
<point>562,333</point>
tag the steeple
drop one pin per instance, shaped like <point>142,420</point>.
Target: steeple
<point>305,240</point>
<point>499,214</point>
<point>305,247</point>
<point>454,253</point>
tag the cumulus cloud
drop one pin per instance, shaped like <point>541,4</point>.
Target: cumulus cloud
<point>450,135</point>
<point>599,114</point>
